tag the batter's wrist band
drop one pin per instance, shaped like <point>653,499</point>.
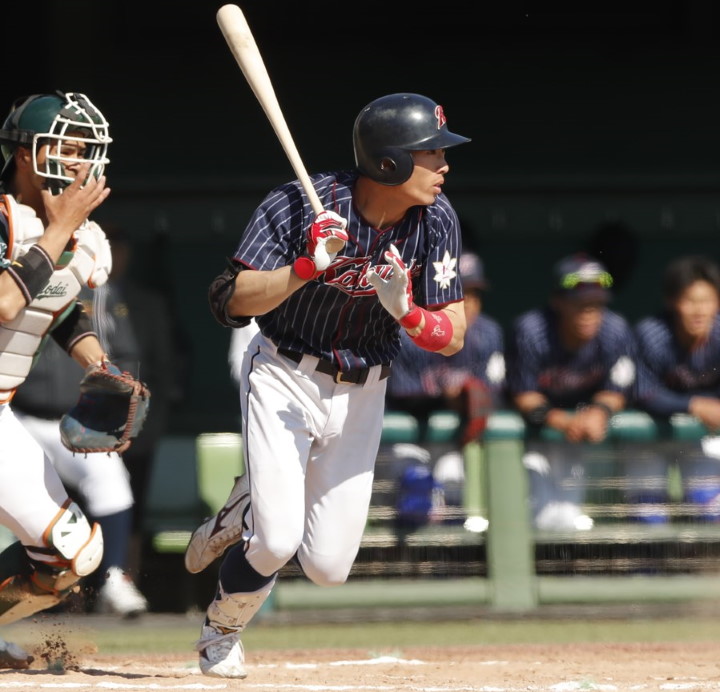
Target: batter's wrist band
<point>412,319</point>
<point>437,332</point>
<point>305,269</point>
<point>31,272</point>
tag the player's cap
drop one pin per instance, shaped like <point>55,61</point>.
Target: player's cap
<point>582,277</point>
<point>472,272</point>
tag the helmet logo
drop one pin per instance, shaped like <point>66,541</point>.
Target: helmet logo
<point>440,115</point>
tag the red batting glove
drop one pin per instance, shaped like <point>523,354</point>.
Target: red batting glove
<point>325,238</point>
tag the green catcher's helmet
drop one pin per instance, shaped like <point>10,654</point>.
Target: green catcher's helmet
<point>54,119</point>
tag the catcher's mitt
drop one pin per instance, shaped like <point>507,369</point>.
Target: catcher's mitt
<point>110,412</point>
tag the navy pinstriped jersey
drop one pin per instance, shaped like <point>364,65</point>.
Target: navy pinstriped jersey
<point>537,361</point>
<point>338,316</point>
<point>417,372</point>
<point>669,375</point>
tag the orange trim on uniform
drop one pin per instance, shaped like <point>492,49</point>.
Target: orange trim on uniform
<point>5,207</point>
<point>9,398</point>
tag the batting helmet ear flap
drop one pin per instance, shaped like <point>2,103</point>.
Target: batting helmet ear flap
<point>391,166</point>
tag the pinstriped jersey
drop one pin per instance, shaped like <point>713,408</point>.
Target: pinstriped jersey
<point>669,374</point>
<point>338,317</point>
<point>537,361</point>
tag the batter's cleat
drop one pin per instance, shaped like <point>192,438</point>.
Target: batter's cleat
<point>212,538</point>
<point>120,596</point>
<point>221,652</point>
<point>14,656</point>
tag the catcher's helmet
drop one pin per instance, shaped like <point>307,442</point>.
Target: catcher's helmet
<point>390,127</point>
<point>55,119</point>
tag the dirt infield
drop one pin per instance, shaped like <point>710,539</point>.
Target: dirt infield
<point>513,668</point>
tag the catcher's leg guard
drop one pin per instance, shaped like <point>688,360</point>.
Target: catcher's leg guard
<point>34,579</point>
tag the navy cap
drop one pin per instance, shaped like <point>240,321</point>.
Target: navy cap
<point>582,277</point>
<point>472,271</point>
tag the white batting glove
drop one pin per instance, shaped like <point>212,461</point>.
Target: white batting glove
<point>395,292</point>
<point>326,237</point>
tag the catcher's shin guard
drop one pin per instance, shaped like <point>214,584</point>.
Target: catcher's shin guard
<point>34,579</point>
<point>231,612</point>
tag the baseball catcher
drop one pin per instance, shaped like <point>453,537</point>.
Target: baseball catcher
<point>54,148</point>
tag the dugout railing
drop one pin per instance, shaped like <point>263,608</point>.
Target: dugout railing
<point>509,567</point>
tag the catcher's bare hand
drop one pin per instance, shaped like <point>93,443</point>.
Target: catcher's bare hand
<point>69,209</point>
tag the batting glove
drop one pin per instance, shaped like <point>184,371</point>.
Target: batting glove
<point>395,292</point>
<point>325,238</point>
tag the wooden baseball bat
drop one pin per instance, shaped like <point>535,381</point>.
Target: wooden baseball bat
<point>242,44</point>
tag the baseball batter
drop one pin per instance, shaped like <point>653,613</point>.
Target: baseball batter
<point>314,376</point>
<point>55,150</point>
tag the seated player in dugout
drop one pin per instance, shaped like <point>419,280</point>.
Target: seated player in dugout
<point>313,378</point>
<point>470,382</point>
<point>54,148</point>
<point>571,366</point>
<point>679,372</point>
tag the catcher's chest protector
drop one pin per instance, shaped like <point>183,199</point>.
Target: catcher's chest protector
<point>88,264</point>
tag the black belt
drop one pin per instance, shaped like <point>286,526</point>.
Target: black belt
<point>354,376</point>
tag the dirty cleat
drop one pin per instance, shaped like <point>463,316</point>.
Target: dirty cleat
<point>212,538</point>
<point>14,656</point>
<point>221,652</point>
<point>120,596</point>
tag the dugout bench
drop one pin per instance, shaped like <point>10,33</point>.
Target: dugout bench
<point>513,568</point>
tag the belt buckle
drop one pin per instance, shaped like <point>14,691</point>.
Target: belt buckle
<point>339,378</point>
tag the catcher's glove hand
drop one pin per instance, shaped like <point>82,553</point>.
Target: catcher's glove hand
<point>110,412</point>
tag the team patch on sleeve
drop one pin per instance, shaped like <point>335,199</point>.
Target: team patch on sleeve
<point>622,374</point>
<point>445,270</point>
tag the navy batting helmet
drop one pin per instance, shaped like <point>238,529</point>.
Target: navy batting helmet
<point>389,128</point>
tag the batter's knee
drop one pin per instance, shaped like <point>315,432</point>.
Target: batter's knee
<point>272,553</point>
<point>324,571</point>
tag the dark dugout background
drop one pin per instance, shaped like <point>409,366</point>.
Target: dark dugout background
<point>592,128</point>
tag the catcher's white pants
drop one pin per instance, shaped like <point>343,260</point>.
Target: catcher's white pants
<point>31,492</point>
<point>100,479</point>
<point>310,449</point>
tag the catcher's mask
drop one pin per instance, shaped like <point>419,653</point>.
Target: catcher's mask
<point>68,123</point>
<point>389,128</point>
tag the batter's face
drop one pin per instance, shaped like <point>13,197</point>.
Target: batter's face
<point>428,176</point>
<point>695,309</point>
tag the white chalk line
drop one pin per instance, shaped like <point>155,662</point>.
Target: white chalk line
<point>689,685</point>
